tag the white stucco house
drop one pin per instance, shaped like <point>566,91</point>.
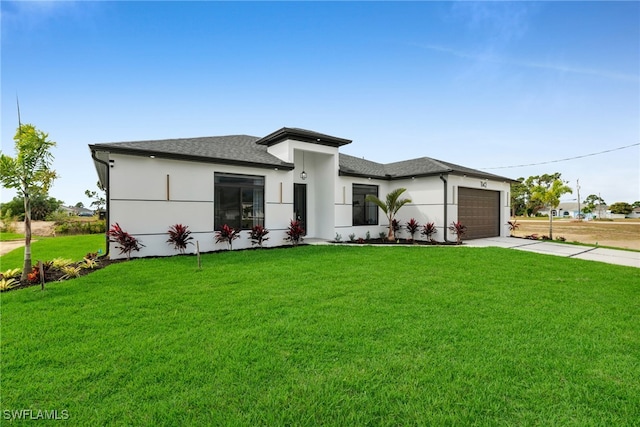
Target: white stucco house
<point>243,181</point>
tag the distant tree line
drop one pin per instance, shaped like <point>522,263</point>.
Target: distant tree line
<point>42,206</point>
<point>533,194</point>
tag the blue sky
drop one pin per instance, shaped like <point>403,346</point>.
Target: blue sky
<point>481,84</point>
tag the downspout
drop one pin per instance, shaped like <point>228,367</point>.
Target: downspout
<point>444,180</point>
<point>107,186</point>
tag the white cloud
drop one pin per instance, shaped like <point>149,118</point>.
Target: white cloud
<point>491,58</point>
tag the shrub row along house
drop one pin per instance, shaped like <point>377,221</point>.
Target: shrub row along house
<point>292,173</point>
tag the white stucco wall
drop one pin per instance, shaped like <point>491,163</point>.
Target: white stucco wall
<point>141,204</point>
<point>138,202</point>
<point>427,204</point>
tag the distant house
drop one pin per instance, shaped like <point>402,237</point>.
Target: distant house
<point>74,210</point>
<point>568,210</point>
<point>635,213</point>
<point>292,173</point>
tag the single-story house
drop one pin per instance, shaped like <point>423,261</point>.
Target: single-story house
<point>75,210</point>
<point>292,173</point>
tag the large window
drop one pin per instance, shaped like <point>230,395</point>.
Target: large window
<point>238,201</point>
<point>364,213</point>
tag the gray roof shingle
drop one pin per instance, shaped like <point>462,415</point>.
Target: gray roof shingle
<point>245,150</point>
<point>231,149</point>
<point>423,166</point>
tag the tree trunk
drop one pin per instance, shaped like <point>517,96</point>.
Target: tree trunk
<point>550,224</point>
<point>26,268</point>
<point>390,236</point>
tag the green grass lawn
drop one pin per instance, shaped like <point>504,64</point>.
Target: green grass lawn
<point>10,236</point>
<point>48,248</point>
<point>345,335</point>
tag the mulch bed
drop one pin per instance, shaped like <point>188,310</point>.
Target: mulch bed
<point>55,275</point>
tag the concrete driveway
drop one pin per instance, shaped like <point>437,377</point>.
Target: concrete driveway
<point>610,256</point>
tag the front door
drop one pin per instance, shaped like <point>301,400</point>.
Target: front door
<point>300,204</point>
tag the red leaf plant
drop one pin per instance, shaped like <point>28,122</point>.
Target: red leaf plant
<point>429,229</point>
<point>179,237</point>
<point>295,232</point>
<point>227,234</point>
<point>458,229</point>
<point>257,235</point>
<point>123,240</point>
<point>412,227</point>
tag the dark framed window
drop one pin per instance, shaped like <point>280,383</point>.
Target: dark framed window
<point>364,213</point>
<point>238,201</point>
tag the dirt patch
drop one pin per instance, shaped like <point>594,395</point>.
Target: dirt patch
<point>38,228</point>
<point>604,233</point>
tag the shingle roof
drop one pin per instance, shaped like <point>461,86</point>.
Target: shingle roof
<point>356,166</point>
<point>245,150</point>
<point>423,166</point>
<point>231,149</point>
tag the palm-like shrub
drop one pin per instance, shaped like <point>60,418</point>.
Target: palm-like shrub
<point>179,237</point>
<point>257,235</point>
<point>227,234</point>
<point>390,207</point>
<point>412,227</point>
<point>295,232</point>
<point>429,229</point>
<point>123,240</point>
<point>513,226</point>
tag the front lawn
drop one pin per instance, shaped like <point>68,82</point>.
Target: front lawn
<point>331,335</point>
<point>48,248</point>
<point>4,237</point>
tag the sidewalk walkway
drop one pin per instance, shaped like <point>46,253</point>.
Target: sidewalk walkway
<point>610,256</point>
<point>10,245</point>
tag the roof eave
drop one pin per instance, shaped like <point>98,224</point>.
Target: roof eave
<point>363,175</point>
<point>303,136</point>
<point>191,158</point>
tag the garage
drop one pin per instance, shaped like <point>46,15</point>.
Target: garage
<point>479,210</point>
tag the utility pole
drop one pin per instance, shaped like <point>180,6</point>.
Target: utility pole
<point>578,190</point>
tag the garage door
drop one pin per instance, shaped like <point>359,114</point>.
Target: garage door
<point>479,210</point>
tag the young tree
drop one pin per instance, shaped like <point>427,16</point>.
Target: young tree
<point>98,199</point>
<point>390,207</point>
<point>29,172</point>
<point>591,201</point>
<point>520,196</point>
<point>548,189</point>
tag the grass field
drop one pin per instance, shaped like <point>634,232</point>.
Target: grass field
<point>331,335</point>
<point>48,248</point>
<point>10,236</point>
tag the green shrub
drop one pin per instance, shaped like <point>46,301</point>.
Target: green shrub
<point>11,273</point>
<point>70,272</point>
<point>7,284</point>
<point>60,263</point>
<point>71,227</point>
<point>7,221</point>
